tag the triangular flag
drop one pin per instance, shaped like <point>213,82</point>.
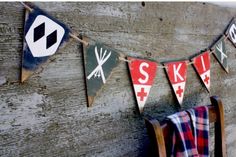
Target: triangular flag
<point>43,35</point>
<point>221,54</point>
<point>231,32</point>
<point>142,73</point>
<point>177,74</point>
<point>202,65</point>
<point>100,61</point>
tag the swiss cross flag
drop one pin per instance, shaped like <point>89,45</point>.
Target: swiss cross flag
<point>142,74</point>
<point>177,74</point>
<point>202,66</point>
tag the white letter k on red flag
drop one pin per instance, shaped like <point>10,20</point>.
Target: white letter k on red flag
<point>176,72</point>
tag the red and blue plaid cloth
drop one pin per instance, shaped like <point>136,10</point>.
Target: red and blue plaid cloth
<point>191,133</point>
<point>200,121</point>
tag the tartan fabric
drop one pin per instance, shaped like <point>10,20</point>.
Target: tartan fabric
<point>183,144</point>
<point>200,121</point>
<point>191,133</point>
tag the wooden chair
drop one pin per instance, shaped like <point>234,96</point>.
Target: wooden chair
<point>161,142</point>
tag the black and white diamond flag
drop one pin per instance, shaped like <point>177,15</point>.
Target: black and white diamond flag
<point>43,36</point>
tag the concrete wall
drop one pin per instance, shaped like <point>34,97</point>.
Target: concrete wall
<point>47,115</point>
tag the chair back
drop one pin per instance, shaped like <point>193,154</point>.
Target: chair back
<point>160,134</point>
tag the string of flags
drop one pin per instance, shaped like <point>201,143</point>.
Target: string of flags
<point>44,35</point>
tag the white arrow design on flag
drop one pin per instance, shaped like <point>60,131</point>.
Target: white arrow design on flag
<point>220,48</point>
<point>98,71</point>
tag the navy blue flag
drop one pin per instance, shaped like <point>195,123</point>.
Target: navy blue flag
<point>231,32</point>
<point>43,36</point>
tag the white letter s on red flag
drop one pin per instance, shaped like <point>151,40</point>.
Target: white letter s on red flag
<point>143,72</point>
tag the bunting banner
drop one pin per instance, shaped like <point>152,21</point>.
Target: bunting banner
<point>221,54</point>
<point>99,62</point>
<point>177,74</point>
<point>142,73</point>
<point>43,36</point>
<point>202,65</point>
<point>231,32</point>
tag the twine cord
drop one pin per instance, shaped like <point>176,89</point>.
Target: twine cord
<point>122,57</point>
<point>26,6</point>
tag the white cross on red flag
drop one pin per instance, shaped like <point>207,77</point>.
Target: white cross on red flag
<point>142,73</point>
<point>177,74</point>
<point>202,66</point>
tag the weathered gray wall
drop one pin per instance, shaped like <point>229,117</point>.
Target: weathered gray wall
<point>47,115</point>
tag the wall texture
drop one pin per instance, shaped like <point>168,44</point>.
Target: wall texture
<point>47,115</point>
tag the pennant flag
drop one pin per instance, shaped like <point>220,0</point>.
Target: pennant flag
<point>221,54</point>
<point>177,74</point>
<point>43,36</point>
<point>99,64</point>
<point>202,65</point>
<point>142,73</point>
<point>231,32</point>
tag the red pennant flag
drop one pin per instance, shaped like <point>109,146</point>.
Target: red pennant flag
<point>142,73</point>
<point>202,66</point>
<point>177,74</point>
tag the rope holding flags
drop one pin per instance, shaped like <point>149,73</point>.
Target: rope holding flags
<point>26,7</point>
<point>44,35</point>
<point>78,39</point>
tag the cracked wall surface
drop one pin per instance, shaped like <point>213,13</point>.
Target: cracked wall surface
<point>48,115</point>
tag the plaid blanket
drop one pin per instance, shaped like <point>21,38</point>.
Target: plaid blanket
<point>200,121</point>
<point>183,144</point>
<point>188,142</point>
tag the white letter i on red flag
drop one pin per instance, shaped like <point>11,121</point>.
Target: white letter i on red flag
<point>202,66</point>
